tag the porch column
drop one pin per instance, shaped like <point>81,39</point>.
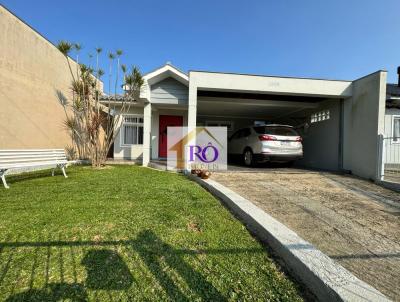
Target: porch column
<point>192,112</point>
<point>192,108</point>
<point>146,134</point>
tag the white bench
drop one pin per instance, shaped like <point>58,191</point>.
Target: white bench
<point>26,159</point>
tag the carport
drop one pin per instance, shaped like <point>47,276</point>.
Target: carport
<point>317,119</point>
<point>339,120</point>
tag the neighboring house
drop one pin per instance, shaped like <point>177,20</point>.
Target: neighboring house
<point>392,113</point>
<point>392,125</point>
<point>340,120</point>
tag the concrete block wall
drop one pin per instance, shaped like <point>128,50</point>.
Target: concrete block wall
<point>364,115</point>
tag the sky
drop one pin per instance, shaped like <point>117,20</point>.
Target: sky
<point>340,39</point>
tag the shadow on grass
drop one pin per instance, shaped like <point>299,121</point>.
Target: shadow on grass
<point>153,251</point>
<point>107,270</point>
<point>45,173</point>
<point>52,292</point>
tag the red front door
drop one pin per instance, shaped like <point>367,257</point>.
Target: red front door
<point>165,122</point>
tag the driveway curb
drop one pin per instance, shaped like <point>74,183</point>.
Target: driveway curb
<point>327,280</point>
<point>394,186</point>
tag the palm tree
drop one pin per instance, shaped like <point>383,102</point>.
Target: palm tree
<point>118,52</point>
<point>100,72</point>
<point>134,82</point>
<point>90,59</point>
<point>65,48</point>
<point>84,120</point>
<point>123,68</point>
<point>137,79</point>
<point>98,51</point>
<point>78,48</point>
<point>111,56</point>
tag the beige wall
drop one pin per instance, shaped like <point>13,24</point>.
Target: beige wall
<point>32,70</point>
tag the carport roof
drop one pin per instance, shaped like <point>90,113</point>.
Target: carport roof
<point>235,73</point>
<point>267,76</point>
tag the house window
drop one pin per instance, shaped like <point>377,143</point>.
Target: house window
<point>320,116</point>
<point>132,130</point>
<point>396,129</point>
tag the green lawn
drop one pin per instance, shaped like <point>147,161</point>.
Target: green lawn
<point>127,233</point>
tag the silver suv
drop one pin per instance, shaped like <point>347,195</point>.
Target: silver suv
<point>267,143</point>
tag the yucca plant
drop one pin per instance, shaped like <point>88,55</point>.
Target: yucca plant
<point>100,73</point>
<point>78,48</point>
<point>92,125</point>
<point>65,48</point>
<point>124,70</point>
<point>134,82</point>
<point>98,51</point>
<point>111,57</point>
<point>118,54</point>
<point>70,152</point>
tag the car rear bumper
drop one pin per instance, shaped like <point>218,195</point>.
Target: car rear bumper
<point>268,157</point>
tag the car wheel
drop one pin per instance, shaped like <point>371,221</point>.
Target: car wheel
<point>248,158</point>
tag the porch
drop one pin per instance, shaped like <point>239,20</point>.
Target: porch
<point>163,103</point>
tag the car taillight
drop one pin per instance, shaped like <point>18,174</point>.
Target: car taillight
<point>266,137</point>
<point>299,139</point>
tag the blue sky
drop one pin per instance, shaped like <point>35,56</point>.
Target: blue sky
<point>341,39</point>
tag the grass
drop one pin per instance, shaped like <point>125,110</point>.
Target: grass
<point>127,233</point>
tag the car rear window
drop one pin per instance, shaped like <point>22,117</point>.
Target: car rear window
<point>276,130</point>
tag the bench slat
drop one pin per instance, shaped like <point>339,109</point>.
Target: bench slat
<point>29,153</point>
<point>30,156</point>
<point>5,163</point>
<point>10,157</point>
<point>29,150</point>
<point>25,165</point>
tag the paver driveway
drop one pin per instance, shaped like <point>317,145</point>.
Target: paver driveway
<point>355,222</point>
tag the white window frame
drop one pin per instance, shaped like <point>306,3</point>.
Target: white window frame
<point>230,128</point>
<point>122,129</point>
<point>392,129</point>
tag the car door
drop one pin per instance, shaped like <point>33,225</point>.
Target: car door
<point>244,140</point>
<point>234,144</point>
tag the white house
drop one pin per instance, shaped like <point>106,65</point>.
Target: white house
<point>340,121</point>
<point>392,126</point>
